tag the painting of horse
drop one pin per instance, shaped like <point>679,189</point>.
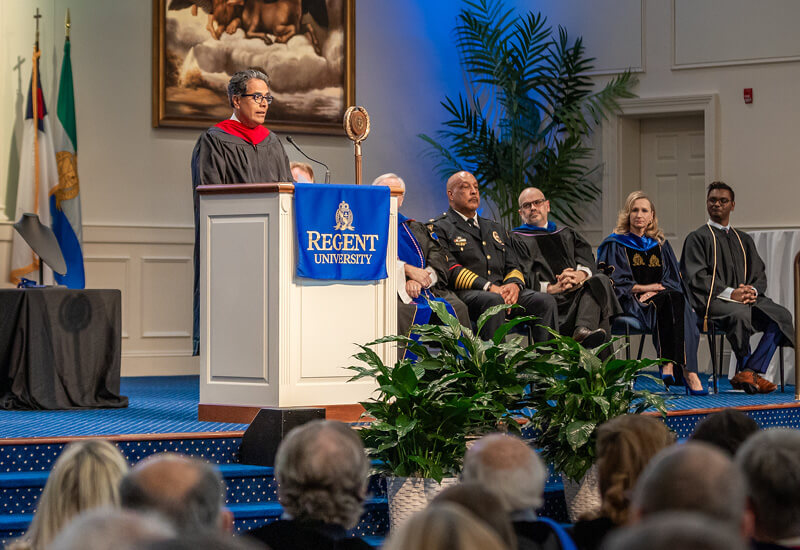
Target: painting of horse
<point>305,46</point>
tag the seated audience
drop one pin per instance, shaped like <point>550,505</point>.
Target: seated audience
<point>647,280</point>
<point>207,541</point>
<point>446,526</point>
<point>693,477</point>
<point>676,531</point>
<point>625,445</point>
<point>482,503</point>
<point>770,461</point>
<point>302,172</point>
<point>727,429</point>
<point>560,262</point>
<point>484,270</point>
<point>322,472</point>
<point>187,491</point>
<point>516,474</point>
<point>109,529</point>
<point>726,277</point>
<point>86,475</point>
<point>422,263</point>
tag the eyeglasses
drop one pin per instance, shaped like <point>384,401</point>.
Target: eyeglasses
<point>258,98</point>
<point>537,203</point>
<point>722,201</point>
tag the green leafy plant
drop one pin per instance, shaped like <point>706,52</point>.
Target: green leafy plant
<point>573,392</point>
<point>527,113</point>
<point>425,410</point>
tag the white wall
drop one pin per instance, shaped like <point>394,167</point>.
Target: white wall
<point>135,180</point>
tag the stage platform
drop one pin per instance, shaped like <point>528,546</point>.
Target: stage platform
<point>162,416</point>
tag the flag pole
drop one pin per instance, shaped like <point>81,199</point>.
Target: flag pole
<point>67,24</point>
<point>35,102</point>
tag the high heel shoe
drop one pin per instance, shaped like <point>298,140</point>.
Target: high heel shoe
<point>667,379</point>
<point>695,393</point>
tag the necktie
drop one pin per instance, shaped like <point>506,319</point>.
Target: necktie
<point>471,222</point>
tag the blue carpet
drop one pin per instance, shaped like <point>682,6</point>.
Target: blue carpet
<point>158,404</point>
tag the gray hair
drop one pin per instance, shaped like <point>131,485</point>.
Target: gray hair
<point>322,472</point>
<point>189,492</point>
<point>770,461</point>
<point>108,529</point>
<point>380,180</point>
<point>692,477</point>
<point>676,530</point>
<point>237,85</point>
<point>510,468</point>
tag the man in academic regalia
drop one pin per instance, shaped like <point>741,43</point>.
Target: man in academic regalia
<point>484,270</point>
<point>422,269</point>
<point>727,283</point>
<point>559,261</point>
<point>237,150</point>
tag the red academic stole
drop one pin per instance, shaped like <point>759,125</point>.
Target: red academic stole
<point>235,128</point>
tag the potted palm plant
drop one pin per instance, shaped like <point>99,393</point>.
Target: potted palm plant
<point>425,411</point>
<point>572,392</point>
<point>527,113</point>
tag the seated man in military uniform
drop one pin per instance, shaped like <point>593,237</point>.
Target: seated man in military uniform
<point>483,266</point>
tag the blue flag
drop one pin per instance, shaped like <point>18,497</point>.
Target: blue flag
<point>342,231</point>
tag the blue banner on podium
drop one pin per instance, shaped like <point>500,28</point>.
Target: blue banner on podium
<point>342,231</point>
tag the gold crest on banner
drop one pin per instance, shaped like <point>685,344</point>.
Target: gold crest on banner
<point>344,218</point>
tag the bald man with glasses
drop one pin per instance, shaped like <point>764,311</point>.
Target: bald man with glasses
<point>237,150</point>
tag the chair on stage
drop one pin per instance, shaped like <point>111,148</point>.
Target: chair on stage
<point>627,326</point>
<point>716,335</point>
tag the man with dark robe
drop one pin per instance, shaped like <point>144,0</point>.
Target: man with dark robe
<point>237,150</point>
<point>484,270</point>
<point>421,269</point>
<point>727,284</point>
<point>559,261</point>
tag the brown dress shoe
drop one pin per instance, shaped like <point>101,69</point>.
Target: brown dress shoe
<point>745,380</point>
<point>764,385</point>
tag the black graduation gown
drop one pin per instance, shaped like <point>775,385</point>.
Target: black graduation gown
<point>543,255</point>
<point>737,263</point>
<point>613,259</point>
<point>436,257</point>
<point>220,158</point>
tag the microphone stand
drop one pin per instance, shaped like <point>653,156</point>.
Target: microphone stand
<point>290,139</point>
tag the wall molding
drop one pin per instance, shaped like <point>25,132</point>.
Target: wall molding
<point>642,66</point>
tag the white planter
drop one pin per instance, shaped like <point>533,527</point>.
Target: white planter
<point>408,495</point>
<point>583,499</point>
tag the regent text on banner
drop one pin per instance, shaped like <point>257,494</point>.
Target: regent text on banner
<point>342,231</point>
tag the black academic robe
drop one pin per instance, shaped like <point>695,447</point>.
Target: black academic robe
<point>543,255</point>
<point>291,534</point>
<point>612,258</point>
<point>435,257</point>
<point>737,262</point>
<point>220,158</point>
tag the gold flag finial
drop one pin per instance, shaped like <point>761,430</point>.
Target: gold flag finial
<point>67,24</point>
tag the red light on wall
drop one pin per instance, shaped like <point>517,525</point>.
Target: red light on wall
<point>748,95</point>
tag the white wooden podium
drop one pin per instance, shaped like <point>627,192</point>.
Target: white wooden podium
<point>267,337</point>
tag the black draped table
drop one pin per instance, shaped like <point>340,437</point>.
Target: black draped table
<point>60,349</point>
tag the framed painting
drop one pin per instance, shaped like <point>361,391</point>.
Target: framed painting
<point>307,47</point>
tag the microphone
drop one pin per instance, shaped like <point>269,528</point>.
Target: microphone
<point>290,139</point>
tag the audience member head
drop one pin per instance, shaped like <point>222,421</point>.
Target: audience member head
<point>187,491</point>
<point>692,477</point>
<point>241,89</point>
<point>392,180</point>
<point>510,468</point>
<point>720,202</point>
<point>463,193</point>
<point>85,476</point>
<point>727,429</point>
<point>322,472</point>
<point>446,526</point>
<point>625,445</point>
<point>676,531</point>
<point>639,205</point>
<point>206,541</point>
<point>770,461</point>
<point>482,503</point>
<point>302,172</point>
<point>533,207</point>
<point>109,529</point>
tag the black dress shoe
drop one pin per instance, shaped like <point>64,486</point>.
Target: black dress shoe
<point>589,338</point>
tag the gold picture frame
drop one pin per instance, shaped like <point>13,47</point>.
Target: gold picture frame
<point>198,44</point>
